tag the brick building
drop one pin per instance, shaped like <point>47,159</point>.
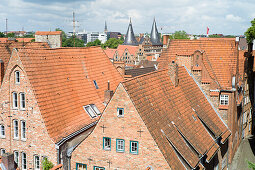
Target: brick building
<point>162,120</point>
<point>215,65</point>
<point>53,38</point>
<point>45,96</point>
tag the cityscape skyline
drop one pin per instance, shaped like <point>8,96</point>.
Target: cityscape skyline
<point>223,17</point>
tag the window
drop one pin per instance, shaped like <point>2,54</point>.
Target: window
<point>134,147</point>
<point>120,112</point>
<point>98,168</point>
<point>120,145</point>
<point>36,162</point>
<point>90,111</point>
<point>244,117</point>
<point>3,151</point>
<point>16,157</point>
<point>95,109</point>
<point>250,114</point>
<point>80,166</point>
<point>106,143</point>
<point>2,131</point>
<point>14,100</point>
<point>16,129</point>
<point>23,130</point>
<point>224,99</point>
<point>22,101</point>
<point>17,77</point>
<point>24,160</point>
<point>95,83</point>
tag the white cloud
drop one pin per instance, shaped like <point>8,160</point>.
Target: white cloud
<point>233,18</point>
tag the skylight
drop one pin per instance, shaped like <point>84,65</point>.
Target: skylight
<point>92,110</point>
<point>95,83</point>
<point>95,109</point>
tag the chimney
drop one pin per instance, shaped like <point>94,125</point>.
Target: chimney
<point>165,40</point>
<point>173,73</point>
<point>108,94</point>
<point>1,71</point>
<point>8,161</point>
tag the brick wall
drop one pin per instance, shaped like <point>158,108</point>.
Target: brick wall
<point>37,141</point>
<point>91,152</point>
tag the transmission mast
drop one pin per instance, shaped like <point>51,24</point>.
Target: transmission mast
<point>74,29</point>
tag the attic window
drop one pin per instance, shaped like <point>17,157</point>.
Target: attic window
<point>92,110</point>
<point>224,99</point>
<point>95,83</point>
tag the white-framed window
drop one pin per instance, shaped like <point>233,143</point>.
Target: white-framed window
<point>22,101</point>
<point>15,129</point>
<point>17,77</point>
<point>14,100</point>
<point>134,147</point>
<point>120,145</point>
<point>80,166</point>
<point>90,111</point>
<point>95,109</point>
<point>36,162</point>
<point>23,129</point>
<point>98,168</point>
<point>3,151</point>
<point>16,157</point>
<point>120,112</point>
<point>106,143</point>
<point>2,131</point>
<point>24,161</point>
<point>244,117</point>
<point>224,99</point>
<point>250,114</point>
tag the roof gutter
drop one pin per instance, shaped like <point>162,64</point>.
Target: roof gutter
<point>63,140</point>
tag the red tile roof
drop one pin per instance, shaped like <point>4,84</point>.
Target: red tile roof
<point>219,57</point>
<point>48,32</point>
<point>62,81</point>
<point>4,40</point>
<point>177,117</point>
<point>110,52</point>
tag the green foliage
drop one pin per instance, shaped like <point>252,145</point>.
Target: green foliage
<point>122,38</point>
<point>251,165</point>
<point>69,42</point>
<point>250,33</point>
<point>214,36</point>
<point>12,35</point>
<point>46,164</point>
<point>229,36</point>
<point>112,43</point>
<point>33,40</point>
<point>179,35</point>
<point>94,43</point>
<point>2,34</point>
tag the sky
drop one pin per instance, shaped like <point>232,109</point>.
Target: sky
<point>229,17</point>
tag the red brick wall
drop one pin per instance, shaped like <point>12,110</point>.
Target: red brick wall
<point>91,152</point>
<point>37,140</point>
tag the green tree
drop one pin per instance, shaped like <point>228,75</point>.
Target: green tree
<point>112,43</point>
<point>251,165</point>
<point>46,164</point>
<point>2,34</point>
<point>179,35</point>
<point>12,35</point>
<point>250,33</point>
<point>69,42</point>
<point>214,36</point>
<point>94,43</point>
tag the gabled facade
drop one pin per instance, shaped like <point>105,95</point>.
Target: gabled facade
<point>52,99</point>
<point>161,120</point>
<point>215,65</point>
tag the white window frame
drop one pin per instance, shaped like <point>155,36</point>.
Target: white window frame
<point>96,110</point>
<point>17,77</point>
<point>15,129</point>
<point>224,99</point>
<point>108,146</point>
<point>120,145</point>
<point>36,162</point>
<point>24,161</point>
<point>118,112</point>
<point>23,129</point>
<point>90,111</point>
<point>22,102</point>
<point>16,157</point>
<point>14,100</point>
<point>2,131</point>
<point>131,147</point>
<point>3,151</point>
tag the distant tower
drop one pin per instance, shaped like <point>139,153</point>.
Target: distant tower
<point>105,28</point>
<point>155,39</point>
<point>130,36</point>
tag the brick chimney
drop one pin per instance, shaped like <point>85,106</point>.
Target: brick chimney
<point>1,71</point>
<point>173,73</point>
<point>8,161</point>
<point>108,94</point>
<point>165,40</point>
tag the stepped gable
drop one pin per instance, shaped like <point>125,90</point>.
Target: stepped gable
<point>220,57</point>
<point>179,118</point>
<point>62,81</point>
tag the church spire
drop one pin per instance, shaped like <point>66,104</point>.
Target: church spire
<point>155,39</point>
<point>130,37</point>
<point>105,27</point>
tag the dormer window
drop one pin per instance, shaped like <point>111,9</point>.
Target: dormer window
<point>92,110</point>
<point>224,99</point>
<point>17,77</point>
